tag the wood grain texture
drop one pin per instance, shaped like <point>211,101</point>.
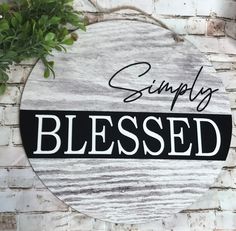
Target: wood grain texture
<point>124,191</point>
<point>127,191</point>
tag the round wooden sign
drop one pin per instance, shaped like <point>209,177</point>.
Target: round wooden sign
<point>134,127</point>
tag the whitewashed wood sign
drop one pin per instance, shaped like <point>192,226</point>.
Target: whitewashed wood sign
<point>134,127</point>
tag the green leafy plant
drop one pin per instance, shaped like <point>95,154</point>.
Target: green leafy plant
<point>33,29</point>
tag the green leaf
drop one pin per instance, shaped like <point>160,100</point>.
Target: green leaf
<point>49,36</point>
<point>2,88</point>
<point>46,73</point>
<point>18,17</point>
<point>82,26</point>
<point>51,64</point>
<point>4,8</point>
<point>3,25</point>
<point>58,48</point>
<point>26,30</point>
<point>10,55</point>
<point>14,22</point>
<point>63,32</point>
<point>3,77</point>
<point>68,41</point>
<point>43,20</point>
<point>54,20</point>
<point>40,35</point>
<point>68,1</point>
<point>74,36</point>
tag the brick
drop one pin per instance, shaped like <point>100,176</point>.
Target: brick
<point>234,66</point>
<point>1,115</point>
<point>227,199</point>
<point>31,222</point>
<point>228,78</point>
<point>18,73</point>
<point>225,220</point>
<point>232,98</point>
<point>226,179</point>
<point>222,45</point>
<point>216,27</point>
<point>146,6</point>
<point>8,222</point>
<point>230,29</point>
<point>16,137</point>
<point>201,221</point>
<point>177,222</point>
<point>152,226</point>
<point>11,96</point>
<point>220,8</point>
<point>222,66</point>
<point>231,159</point>
<point>126,227</point>
<point>234,117</point>
<point>3,178</point>
<point>82,221</point>
<point>224,230</point>
<point>30,200</point>
<point>177,7</point>
<point>56,221</point>
<point>233,138</point>
<point>52,221</point>
<point>21,178</point>
<point>221,58</point>
<point>4,135</point>
<point>216,199</point>
<point>13,156</point>
<point>196,26</point>
<point>11,115</point>
<point>178,26</point>
<point>98,225</point>
<point>182,26</point>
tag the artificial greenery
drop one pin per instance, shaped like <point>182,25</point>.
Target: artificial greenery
<point>33,29</point>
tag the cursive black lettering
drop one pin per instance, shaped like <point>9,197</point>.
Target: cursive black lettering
<point>166,87</point>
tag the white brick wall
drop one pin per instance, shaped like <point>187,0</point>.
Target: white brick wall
<point>25,204</point>
<point>11,115</point>
<point>147,5</point>
<point>5,133</point>
<point>230,29</point>
<point>13,157</point>
<point>214,45</point>
<point>175,8</point>
<point>11,96</point>
<point>1,115</point>
<point>219,8</point>
<point>19,73</point>
<point>16,137</point>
